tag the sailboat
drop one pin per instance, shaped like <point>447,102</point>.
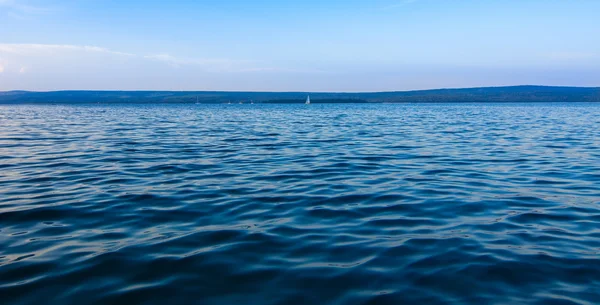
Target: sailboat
<point>307,100</point>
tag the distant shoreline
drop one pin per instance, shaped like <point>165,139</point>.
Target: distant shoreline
<point>510,94</point>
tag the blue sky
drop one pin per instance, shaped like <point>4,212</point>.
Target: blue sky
<point>308,45</point>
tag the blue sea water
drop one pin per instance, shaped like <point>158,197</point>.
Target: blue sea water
<point>296,204</point>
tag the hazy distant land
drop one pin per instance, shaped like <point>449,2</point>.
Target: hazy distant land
<point>487,94</point>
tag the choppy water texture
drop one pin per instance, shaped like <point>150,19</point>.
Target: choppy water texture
<point>295,204</point>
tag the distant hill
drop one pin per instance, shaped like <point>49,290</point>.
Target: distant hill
<point>488,94</point>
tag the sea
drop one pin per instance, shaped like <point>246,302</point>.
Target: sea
<point>300,204</point>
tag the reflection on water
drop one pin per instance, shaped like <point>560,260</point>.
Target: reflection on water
<point>295,204</point>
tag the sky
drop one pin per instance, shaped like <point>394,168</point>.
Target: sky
<point>297,45</point>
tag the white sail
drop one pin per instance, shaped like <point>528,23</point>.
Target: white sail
<point>308,100</point>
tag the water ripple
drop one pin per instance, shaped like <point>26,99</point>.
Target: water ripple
<point>289,204</point>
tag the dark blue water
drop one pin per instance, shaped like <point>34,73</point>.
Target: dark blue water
<point>295,204</point>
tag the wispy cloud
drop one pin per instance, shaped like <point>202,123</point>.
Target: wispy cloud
<point>64,66</point>
<point>225,65</point>
<point>214,64</point>
<point>24,53</point>
<point>31,48</point>
<point>20,10</point>
<point>283,70</point>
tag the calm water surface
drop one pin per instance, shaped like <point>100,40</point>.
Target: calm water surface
<point>295,204</point>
